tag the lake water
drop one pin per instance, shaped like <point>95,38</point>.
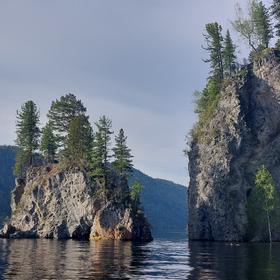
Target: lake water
<point>160,259</point>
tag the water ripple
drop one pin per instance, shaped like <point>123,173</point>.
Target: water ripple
<point>160,259</point>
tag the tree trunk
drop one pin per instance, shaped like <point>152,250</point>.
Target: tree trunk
<point>251,44</point>
<point>268,225</point>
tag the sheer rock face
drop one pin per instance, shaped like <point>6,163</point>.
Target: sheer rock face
<point>243,134</point>
<point>53,204</point>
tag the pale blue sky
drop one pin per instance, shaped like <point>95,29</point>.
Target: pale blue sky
<point>137,61</point>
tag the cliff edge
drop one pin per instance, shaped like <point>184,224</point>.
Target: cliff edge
<point>50,203</point>
<point>242,135</point>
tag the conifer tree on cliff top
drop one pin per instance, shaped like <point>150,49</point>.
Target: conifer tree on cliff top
<point>78,143</point>
<point>61,113</point>
<point>48,144</point>
<point>213,39</point>
<point>100,154</point>
<point>28,133</point>
<point>122,155</point>
<point>229,54</point>
<point>261,20</point>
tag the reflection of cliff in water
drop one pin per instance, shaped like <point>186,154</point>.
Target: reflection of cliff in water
<point>160,259</point>
<point>219,261</point>
<point>114,259</point>
<point>52,259</point>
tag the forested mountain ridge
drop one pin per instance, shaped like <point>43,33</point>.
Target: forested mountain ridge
<point>7,180</point>
<point>164,202</point>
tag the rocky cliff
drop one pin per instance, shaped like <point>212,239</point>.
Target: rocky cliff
<point>243,134</point>
<point>164,202</point>
<point>50,203</point>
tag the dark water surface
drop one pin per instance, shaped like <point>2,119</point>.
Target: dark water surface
<point>160,259</point>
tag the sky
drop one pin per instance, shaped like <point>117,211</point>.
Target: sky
<point>136,61</point>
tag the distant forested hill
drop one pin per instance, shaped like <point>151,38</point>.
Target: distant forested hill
<point>7,161</point>
<point>164,202</point>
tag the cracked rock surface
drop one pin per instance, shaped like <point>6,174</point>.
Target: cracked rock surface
<point>243,134</point>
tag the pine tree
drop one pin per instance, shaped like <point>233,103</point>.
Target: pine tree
<point>78,143</point>
<point>28,133</point>
<point>214,47</point>
<point>229,54</point>
<point>48,145</point>
<point>61,113</point>
<point>122,155</point>
<point>262,24</point>
<point>275,11</point>
<point>100,152</point>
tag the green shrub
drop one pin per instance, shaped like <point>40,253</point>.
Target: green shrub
<point>206,104</point>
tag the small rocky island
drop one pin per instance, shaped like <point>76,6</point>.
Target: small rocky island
<point>69,188</point>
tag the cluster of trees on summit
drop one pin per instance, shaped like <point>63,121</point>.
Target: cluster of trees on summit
<point>256,27</point>
<point>68,138</point>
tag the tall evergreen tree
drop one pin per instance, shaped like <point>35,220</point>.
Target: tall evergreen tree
<point>275,11</point>
<point>229,54</point>
<point>61,113</point>
<point>28,133</point>
<point>262,24</point>
<point>100,152</point>
<point>122,155</point>
<point>213,39</point>
<point>48,145</point>
<point>78,143</point>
